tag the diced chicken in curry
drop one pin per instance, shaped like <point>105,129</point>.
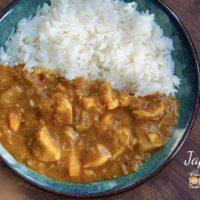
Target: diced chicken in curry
<point>80,130</point>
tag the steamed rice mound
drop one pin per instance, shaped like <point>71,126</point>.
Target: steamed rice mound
<point>97,39</point>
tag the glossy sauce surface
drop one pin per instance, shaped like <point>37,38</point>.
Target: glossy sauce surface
<point>80,130</point>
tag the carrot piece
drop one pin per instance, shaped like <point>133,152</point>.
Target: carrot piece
<point>74,164</point>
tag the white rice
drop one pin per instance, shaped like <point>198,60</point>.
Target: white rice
<point>98,39</point>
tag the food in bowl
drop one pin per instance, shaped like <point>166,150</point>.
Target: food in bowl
<point>87,90</point>
<point>80,130</point>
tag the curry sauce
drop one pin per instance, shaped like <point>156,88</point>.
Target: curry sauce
<point>80,130</point>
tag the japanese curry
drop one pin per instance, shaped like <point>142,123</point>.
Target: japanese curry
<point>80,130</point>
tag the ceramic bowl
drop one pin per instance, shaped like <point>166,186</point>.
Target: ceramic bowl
<point>187,70</point>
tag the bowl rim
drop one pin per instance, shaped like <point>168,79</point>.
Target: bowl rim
<point>171,156</point>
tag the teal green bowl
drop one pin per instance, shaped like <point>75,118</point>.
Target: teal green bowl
<point>187,70</point>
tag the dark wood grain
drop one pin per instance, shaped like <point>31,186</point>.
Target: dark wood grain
<point>172,181</point>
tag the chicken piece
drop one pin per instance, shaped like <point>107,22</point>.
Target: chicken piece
<point>92,103</point>
<point>138,103</point>
<point>148,139</point>
<point>44,148</point>
<point>64,112</point>
<point>84,121</point>
<point>153,112</point>
<point>143,142</point>
<point>89,102</point>
<point>71,134</point>
<point>15,119</point>
<point>81,86</point>
<point>59,108</point>
<point>125,99</point>
<point>108,96</point>
<point>155,139</point>
<point>163,121</point>
<point>104,156</point>
<point>120,151</point>
<point>125,140</point>
<point>32,79</point>
<point>124,137</point>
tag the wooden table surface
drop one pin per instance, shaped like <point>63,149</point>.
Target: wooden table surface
<point>172,181</point>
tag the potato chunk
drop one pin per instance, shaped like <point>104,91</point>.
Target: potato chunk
<point>44,147</point>
<point>15,119</point>
<point>108,96</point>
<point>150,113</point>
<point>104,156</point>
